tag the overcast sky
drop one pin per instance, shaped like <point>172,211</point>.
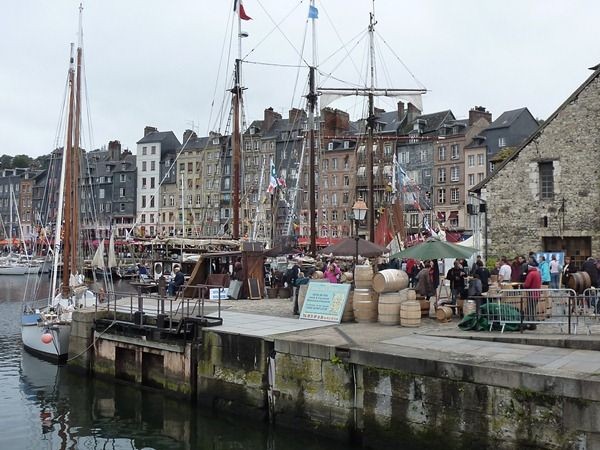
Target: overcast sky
<point>166,63</point>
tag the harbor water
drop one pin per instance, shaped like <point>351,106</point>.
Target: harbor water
<point>44,406</point>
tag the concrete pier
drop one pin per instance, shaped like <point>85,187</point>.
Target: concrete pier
<point>382,385</point>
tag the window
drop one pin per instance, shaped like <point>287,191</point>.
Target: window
<point>181,167</point>
<point>143,218</point>
<point>346,180</point>
<point>152,183</point>
<point>454,151</point>
<point>325,164</point>
<point>144,151</point>
<point>480,176</point>
<point>144,166</point>
<point>471,179</point>
<point>101,193</point>
<point>442,153</point>
<point>546,170</point>
<point>122,207</point>
<point>171,200</point>
<point>190,167</point>
<point>387,150</point>
<point>480,158</point>
<point>226,183</point>
<point>334,215</point>
<point>143,182</point>
<point>423,155</point>
<point>122,192</point>
<point>454,173</point>
<point>152,165</point>
<point>426,173</point>
<point>345,198</point>
<point>471,160</point>
<point>441,196</point>
<point>153,150</point>
<point>414,220</point>
<point>501,142</point>
<point>152,201</point>
<point>330,146</point>
<point>404,157</point>
<point>334,199</point>
<point>454,195</point>
<point>151,218</point>
<point>334,164</point>
<point>442,175</point>
<point>346,162</point>
<point>143,201</point>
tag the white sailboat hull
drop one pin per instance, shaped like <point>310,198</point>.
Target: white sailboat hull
<point>14,270</point>
<point>57,349</point>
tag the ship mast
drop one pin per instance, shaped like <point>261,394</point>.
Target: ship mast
<point>312,103</point>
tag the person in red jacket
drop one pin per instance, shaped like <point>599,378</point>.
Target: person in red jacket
<point>533,280</point>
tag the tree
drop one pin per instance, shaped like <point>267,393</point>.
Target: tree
<point>6,162</point>
<point>22,161</point>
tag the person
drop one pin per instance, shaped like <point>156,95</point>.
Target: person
<point>569,269</point>
<point>475,265</point>
<point>544,269</point>
<point>457,276</point>
<point>590,267</point>
<point>484,276</point>
<point>292,274</point>
<point>515,270</point>
<point>532,281</point>
<point>238,269</point>
<point>177,281</point>
<point>435,274</point>
<point>333,273</point>
<point>555,270</point>
<point>475,286</point>
<point>424,283</point>
<point>505,272</point>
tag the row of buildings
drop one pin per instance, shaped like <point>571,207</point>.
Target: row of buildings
<point>184,188</point>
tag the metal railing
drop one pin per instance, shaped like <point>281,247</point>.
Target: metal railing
<point>528,308</point>
<point>169,312</point>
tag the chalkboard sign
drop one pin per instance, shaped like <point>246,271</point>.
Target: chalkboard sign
<point>253,289</point>
<point>325,301</point>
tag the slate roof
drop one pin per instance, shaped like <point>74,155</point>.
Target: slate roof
<point>506,119</point>
<point>158,136</point>
<point>477,188</point>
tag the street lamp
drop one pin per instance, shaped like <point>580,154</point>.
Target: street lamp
<point>359,211</point>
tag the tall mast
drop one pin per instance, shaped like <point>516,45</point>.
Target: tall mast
<point>68,188</point>
<point>370,129</point>
<point>312,103</point>
<point>76,150</point>
<point>236,157</point>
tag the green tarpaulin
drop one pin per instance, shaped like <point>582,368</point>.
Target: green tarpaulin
<point>492,312</point>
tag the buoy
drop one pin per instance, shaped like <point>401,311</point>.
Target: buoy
<point>47,338</point>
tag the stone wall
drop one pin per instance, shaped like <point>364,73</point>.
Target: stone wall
<point>515,210</point>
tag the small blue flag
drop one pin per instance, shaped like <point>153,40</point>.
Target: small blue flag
<point>313,12</point>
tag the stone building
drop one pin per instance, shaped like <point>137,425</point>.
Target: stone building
<point>10,185</point>
<point>546,196</point>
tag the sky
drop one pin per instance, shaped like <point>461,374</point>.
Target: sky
<point>168,63</point>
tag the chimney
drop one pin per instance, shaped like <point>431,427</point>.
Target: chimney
<point>270,118</point>
<point>412,112</point>
<point>148,130</point>
<point>297,116</point>
<point>479,112</point>
<point>188,135</point>
<point>114,150</point>
<point>400,111</point>
<point>335,122</point>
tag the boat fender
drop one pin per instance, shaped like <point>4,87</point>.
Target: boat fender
<point>47,338</point>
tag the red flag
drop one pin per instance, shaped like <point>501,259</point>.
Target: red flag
<point>243,14</point>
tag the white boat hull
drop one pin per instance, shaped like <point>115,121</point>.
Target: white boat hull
<point>14,270</point>
<point>57,349</point>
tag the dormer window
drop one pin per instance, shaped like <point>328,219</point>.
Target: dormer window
<point>330,146</point>
<point>346,145</point>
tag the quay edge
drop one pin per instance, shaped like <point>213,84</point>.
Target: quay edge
<point>379,395</point>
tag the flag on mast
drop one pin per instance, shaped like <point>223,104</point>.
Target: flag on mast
<point>313,12</point>
<point>241,11</point>
<point>272,178</point>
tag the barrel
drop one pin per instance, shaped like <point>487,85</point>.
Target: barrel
<point>363,277</point>
<point>425,305</point>
<point>285,292</point>
<point>302,295</point>
<point>390,280</point>
<point>411,294</point>
<point>318,274</point>
<point>364,305</point>
<point>469,307</point>
<point>443,314</point>
<point>580,281</point>
<point>348,315</point>
<point>410,314</point>
<point>389,308</point>
<point>349,276</point>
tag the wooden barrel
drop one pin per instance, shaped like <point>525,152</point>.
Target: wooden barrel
<point>580,281</point>
<point>410,314</point>
<point>403,295</point>
<point>364,305</point>
<point>272,292</point>
<point>425,305</point>
<point>411,294</point>
<point>349,276</point>
<point>318,275</point>
<point>285,292</point>
<point>363,277</point>
<point>348,315</point>
<point>469,307</point>
<point>443,314</point>
<point>389,308</point>
<point>302,295</point>
<point>390,280</point>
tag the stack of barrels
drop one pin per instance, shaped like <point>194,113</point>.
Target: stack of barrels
<point>388,284</point>
<point>365,299</point>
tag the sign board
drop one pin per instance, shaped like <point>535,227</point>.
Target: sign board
<point>215,292</point>
<point>235,287</point>
<point>560,257</point>
<point>253,289</point>
<point>325,301</point>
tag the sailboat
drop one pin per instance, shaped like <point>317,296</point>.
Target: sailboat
<point>45,331</point>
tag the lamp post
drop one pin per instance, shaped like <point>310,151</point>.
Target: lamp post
<point>359,211</point>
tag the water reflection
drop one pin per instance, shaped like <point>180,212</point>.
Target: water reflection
<point>44,406</point>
